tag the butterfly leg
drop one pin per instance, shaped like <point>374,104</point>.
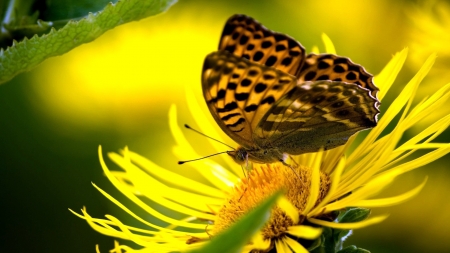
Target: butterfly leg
<point>246,176</point>
<point>293,170</point>
<point>292,159</point>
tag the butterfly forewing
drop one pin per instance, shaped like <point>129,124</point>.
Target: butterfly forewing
<point>316,114</point>
<point>239,93</point>
<point>336,68</point>
<point>246,38</point>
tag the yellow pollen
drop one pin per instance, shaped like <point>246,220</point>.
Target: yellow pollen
<point>263,181</point>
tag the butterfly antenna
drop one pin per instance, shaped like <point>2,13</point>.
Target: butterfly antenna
<point>189,127</point>
<point>181,162</point>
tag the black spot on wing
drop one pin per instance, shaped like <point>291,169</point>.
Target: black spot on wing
<point>266,44</point>
<point>258,56</point>
<point>340,60</point>
<point>294,53</point>
<point>260,87</point>
<point>241,96</point>
<point>310,75</point>
<point>271,61</point>
<point>251,108</point>
<point>228,107</point>
<point>230,48</point>
<point>354,99</point>
<point>238,122</point>
<point>351,76</point>
<point>268,100</point>
<point>323,77</point>
<point>231,86</point>
<point>338,69</point>
<point>221,94</point>
<point>268,77</point>
<point>252,72</point>
<point>286,61</point>
<point>229,116</point>
<point>337,104</point>
<point>323,65</point>
<point>243,40</point>
<point>280,48</point>
<point>246,82</point>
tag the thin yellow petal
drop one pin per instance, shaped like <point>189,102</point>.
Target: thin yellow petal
<point>315,50</point>
<point>174,178</point>
<point>371,188</point>
<point>282,247</point>
<point>152,212</point>
<point>423,160</point>
<point>305,232</point>
<point>136,200</point>
<point>353,225</point>
<point>207,167</point>
<point>392,200</point>
<point>336,177</point>
<point>387,76</point>
<point>315,183</point>
<point>329,46</point>
<point>107,223</point>
<point>294,245</point>
<point>153,189</point>
<point>257,243</point>
<point>289,209</point>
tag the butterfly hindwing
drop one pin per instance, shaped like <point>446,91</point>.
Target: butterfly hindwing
<point>316,114</point>
<point>239,93</point>
<point>245,37</point>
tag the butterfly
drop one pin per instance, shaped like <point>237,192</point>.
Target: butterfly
<point>275,100</point>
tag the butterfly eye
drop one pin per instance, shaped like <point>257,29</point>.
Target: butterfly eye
<point>265,152</point>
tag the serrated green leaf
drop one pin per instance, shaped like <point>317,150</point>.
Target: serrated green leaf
<point>27,54</point>
<point>353,249</point>
<point>233,239</point>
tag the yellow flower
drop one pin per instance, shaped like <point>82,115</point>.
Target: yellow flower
<point>323,182</point>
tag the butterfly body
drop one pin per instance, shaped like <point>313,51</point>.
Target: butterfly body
<point>274,100</point>
<point>256,154</point>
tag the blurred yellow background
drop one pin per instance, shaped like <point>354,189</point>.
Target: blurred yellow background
<point>117,91</point>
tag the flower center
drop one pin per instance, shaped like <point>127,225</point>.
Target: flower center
<point>263,181</point>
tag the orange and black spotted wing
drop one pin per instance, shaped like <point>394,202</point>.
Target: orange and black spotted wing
<point>239,93</point>
<point>336,68</point>
<point>245,37</point>
<point>314,115</point>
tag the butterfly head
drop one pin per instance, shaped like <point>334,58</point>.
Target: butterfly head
<point>240,155</point>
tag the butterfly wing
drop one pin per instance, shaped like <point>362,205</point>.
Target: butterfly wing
<point>239,93</point>
<point>336,68</point>
<point>245,37</point>
<point>316,114</point>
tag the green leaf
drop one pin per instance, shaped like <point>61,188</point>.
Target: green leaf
<point>353,249</point>
<point>332,240</point>
<point>354,214</point>
<point>27,54</point>
<point>233,239</point>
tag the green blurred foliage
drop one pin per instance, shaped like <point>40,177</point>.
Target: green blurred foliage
<point>17,21</point>
<point>54,117</point>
